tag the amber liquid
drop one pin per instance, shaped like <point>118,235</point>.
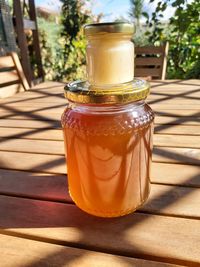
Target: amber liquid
<point>108,159</point>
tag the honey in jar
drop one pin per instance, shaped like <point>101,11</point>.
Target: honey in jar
<point>108,129</point>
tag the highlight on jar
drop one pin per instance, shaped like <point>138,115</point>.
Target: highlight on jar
<point>108,127</point>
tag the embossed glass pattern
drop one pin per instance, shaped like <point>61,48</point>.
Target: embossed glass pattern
<point>109,156</point>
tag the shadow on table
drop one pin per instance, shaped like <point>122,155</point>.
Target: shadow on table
<point>94,233</point>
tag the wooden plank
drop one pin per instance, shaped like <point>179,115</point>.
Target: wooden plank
<point>170,100</point>
<point>173,201</point>
<point>17,251</point>
<point>163,199</point>
<point>175,174</point>
<point>35,121</point>
<point>34,185</point>
<point>177,81</point>
<point>160,153</point>
<point>172,96</point>
<point>22,113</point>
<point>56,134</point>
<point>142,235</point>
<point>149,50</point>
<point>32,124</point>
<point>42,134</point>
<point>164,96</point>
<point>177,129</point>
<point>177,120</point>
<point>178,113</point>
<point>32,162</point>
<point>156,106</point>
<point>59,99</point>
<point>36,43</point>
<point>6,62</point>
<point>143,72</point>
<point>163,173</point>
<point>18,104</point>
<point>170,127</point>
<point>146,61</point>
<point>164,60</point>
<point>175,90</point>
<point>22,41</point>
<point>31,115</point>
<point>20,70</point>
<point>30,146</point>
<point>174,107</point>
<point>177,155</point>
<point>174,141</point>
<point>8,77</point>
<point>10,90</point>
<point>40,99</point>
<point>12,110</point>
<point>168,140</point>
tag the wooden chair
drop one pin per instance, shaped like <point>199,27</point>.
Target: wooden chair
<point>151,61</point>
<point>12,79</point>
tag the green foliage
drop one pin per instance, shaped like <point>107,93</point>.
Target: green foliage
<point>183,36</point>
<point>47,55</point>
<point>49,33</point>
<point>63,45</point>
<point>70,59</point>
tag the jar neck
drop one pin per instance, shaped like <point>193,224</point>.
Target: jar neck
<point>106,109</point>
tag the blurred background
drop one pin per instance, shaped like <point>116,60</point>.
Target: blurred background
<point>62,43</point>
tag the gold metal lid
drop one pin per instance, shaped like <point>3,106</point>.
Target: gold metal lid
<point>83,92</point>
<point>109,27</point>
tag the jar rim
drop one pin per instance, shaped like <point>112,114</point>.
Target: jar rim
<point>109,27</point>
<point>84,92</point>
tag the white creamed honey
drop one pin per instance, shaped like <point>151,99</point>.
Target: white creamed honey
<point>110,56</point>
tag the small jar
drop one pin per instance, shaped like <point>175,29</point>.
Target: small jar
<point>110,53</point>
<point>108,139</point>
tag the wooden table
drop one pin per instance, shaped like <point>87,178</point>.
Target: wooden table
<point>39,224</point>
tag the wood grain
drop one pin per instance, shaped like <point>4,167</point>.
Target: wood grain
<point>167,140</point>
<point>176,174</point>
<point>23,252</point>
<point>147,236</point>
<point>8,77</point>
<point>160,154</point>
<point>145,61</point>
<point>189,138</point>
<point>14,112</point>
<point>163,199</point>
<point>177,129</point>
<point>143,72</point>
<point>36,205</point>
<point>30,146</point>
<point>177,155</point>
<point>42,134</point>
<point>6,62</point>
<point>32,162</point>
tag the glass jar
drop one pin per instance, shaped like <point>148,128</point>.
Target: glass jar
<point>108,139</point>
<point>109,53</point>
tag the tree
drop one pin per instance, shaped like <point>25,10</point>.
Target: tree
<point>71,54</point>
<point>184,36</point>
<point>136,10</point>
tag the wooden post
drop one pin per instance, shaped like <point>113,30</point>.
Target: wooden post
<point>19,70</point>
<point>164,65</point>
<point>22,41</point>
<point>36,45</point>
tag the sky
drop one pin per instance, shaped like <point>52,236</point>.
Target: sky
<point>112,9</point>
